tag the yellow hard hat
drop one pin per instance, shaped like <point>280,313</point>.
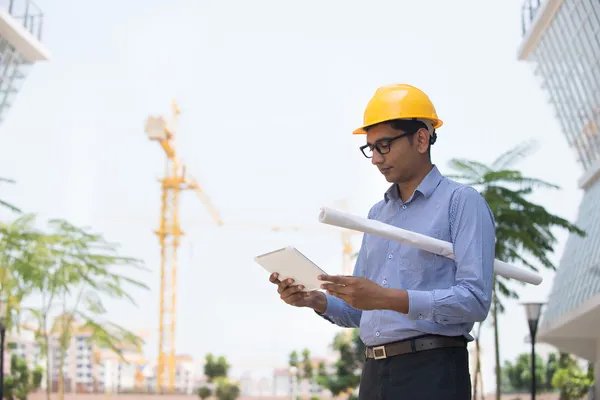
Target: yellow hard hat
<point>400,101</point>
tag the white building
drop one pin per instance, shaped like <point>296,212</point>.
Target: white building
<point>561,38</point>
<point>286,384</point>
<point>80,367</point>
<point>188,375</point>
<point>20,47</point>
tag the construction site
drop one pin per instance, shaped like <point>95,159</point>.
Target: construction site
<point>194,137</point>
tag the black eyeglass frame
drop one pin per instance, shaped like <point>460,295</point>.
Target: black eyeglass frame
<point>386,148</point>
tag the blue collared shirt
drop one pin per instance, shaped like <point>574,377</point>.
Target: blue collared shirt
<point>446,297</point>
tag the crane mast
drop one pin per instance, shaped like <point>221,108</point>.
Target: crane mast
<point>175,181</point>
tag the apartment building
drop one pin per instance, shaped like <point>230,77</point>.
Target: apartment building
<point>285,383</point>
<point>80,363</point>
<point>86,367</point>
<point>21,24</point>
<point>23,344</point>
<point>188,375</point>
<point>561,40</point>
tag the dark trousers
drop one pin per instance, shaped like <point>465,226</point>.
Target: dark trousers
<point>437,374</point>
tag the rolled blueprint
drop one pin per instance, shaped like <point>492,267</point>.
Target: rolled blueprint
<point>342,219</point>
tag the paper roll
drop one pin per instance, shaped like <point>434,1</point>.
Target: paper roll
<point>342,219</point>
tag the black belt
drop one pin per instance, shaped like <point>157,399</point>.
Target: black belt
<point>414,345</point>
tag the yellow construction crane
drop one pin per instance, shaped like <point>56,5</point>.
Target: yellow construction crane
<point>169,233</point>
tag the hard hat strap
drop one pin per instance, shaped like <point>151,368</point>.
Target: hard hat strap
<point>430,128</point>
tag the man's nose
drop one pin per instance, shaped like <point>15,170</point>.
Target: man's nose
<point>377,158</point>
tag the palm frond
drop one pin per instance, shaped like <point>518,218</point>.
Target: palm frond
<point>4,203</point>
<point>468,170</point>
<point>516,178</point>
<point>10,207</point>
<point>510,157</point>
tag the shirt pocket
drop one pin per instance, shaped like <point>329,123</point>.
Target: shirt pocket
<point>419,259</point>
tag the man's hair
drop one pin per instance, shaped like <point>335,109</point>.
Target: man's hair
<point>412,126</point>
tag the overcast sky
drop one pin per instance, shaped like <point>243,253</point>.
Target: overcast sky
<point>270,92</point>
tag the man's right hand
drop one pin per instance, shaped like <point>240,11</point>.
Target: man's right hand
<point>293,295</point>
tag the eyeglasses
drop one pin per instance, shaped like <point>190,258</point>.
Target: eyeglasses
<point>382,145</point>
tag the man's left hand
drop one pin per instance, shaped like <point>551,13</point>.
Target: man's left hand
<point>357,292</point>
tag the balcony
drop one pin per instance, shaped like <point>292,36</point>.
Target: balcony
<point>27,13</point>
<point>20,47</point>
<point>529,11</point>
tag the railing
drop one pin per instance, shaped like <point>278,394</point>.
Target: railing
<point>26,11</point>
<point>528,13</point>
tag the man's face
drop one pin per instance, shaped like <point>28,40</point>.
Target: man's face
<point>402,156</point>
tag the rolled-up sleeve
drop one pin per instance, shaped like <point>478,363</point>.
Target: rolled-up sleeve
<point>473,233</point>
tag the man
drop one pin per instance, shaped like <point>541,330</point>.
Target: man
<point>415,309</point>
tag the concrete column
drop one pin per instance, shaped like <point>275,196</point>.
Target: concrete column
<point>597,380</point>
<point>597,371</point>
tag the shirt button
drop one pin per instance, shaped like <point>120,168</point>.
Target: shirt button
<point>377,334</point>
<point>390,256</point>
<point>420,316</point>
<point>385,282</point>
<point>404,207</point>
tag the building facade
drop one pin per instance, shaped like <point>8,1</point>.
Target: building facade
<point>87,368</point>
<point>21,23</point>
<point>561,39</point>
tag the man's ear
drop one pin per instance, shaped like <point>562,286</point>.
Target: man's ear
<point>423,138</point>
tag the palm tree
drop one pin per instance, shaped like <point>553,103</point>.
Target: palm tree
<point>523,229</point>
<point>4,203</point>
<point>68,267</point>
<point>18,255</point>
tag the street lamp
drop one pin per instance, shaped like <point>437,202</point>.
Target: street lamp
<point>533,312</point>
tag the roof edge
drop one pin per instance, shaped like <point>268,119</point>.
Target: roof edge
<point>538,26</point>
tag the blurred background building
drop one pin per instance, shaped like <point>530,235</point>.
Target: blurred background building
<point>21,23</point>
<point>561,39</point>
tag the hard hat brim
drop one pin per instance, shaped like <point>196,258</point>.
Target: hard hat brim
<point>361,131</point>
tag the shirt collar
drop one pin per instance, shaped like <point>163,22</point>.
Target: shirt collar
<point>426,187</point>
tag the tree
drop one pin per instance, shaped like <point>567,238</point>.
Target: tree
<point>524,230</point>
<point>322,369</point>
<point>216,372</point>
<point>4,203</point>
<point>307,367</point>
<point>89,268</point>
<point>19,247</point>
<point>226,389</point>
<point>519,373</point>
<point>204,392</point>
<point>348,366</point>
<point>21,381</point>
<point>551,368</point>
<point>74,267</point>
<point>24,263</point>
<point>214,369</point>
<point>294,362</point>
<point>572,382</point>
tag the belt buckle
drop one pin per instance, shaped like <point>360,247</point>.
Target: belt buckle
<point>381,351</point>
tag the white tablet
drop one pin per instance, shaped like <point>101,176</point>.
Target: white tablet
<point>291,263</point>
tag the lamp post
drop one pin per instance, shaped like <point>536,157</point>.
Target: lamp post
<point>533,312</point>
